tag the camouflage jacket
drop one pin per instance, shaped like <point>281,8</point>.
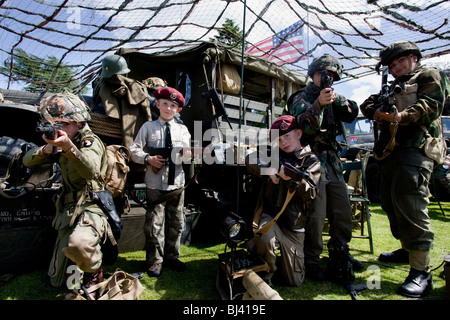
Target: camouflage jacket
<point>427,89</point>
<point>314,121</point>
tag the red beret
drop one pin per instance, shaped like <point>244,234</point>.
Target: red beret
<point>285,124</point>
<point>170,94</point>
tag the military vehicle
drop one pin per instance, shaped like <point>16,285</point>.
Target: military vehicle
<point>359,137</point>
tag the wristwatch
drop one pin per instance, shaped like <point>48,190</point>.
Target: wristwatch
<point>147,156</point>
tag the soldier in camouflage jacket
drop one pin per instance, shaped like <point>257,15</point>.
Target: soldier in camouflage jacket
<point>319,112</point>
<point>406,170</point>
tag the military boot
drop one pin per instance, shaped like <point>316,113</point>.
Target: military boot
<point>417,284</point>
<point>339,268</point>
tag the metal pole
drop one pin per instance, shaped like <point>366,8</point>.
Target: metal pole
<point>241,103</point>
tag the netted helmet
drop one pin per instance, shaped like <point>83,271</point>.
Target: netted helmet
<point>397,50</point>
<point>326,62</point>
<point>114,64</point>
<point>155,83</point>
<point>64,107</point>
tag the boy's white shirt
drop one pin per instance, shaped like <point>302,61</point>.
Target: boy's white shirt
<point>152,134</point>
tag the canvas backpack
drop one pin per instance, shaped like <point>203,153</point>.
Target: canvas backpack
<point>116,175</point>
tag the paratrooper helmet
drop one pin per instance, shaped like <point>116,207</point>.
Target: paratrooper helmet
<point>154,83</point>
<point>397,50</point>
<point>64,107</point>
<point>326,62</point>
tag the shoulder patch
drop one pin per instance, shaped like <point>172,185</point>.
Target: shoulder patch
<point>87,142</point>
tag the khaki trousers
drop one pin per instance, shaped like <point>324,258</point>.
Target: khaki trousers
<point>290,244</point>
<point>79,244</point>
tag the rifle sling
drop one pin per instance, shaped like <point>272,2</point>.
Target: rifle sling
<point>393,126</point>
<point>259,210</point>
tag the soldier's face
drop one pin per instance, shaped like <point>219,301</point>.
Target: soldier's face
<point>290,142</point>
<point>402,65</point>
<point>318,76</point>
<point>71,128</point>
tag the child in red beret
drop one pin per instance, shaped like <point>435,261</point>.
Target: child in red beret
<point>296,192</point>
<point>164,222</point>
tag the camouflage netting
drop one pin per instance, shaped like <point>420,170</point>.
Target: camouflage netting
<point>79,33</point>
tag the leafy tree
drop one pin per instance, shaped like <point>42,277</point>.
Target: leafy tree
<point>230,34</point>
<point>41,73</point>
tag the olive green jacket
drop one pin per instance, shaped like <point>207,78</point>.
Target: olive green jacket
<point>81,169</point>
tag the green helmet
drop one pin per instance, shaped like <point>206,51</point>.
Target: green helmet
<point>64,107</point>
<point>397,50</point>
<point>326,62</point>
<point>114,64</point>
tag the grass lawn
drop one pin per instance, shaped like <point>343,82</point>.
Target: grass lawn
<point>198,282</point>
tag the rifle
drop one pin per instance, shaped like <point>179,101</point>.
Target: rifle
<point>165,153</point>
<point>387,99</point>
<point>387,104</point>
<point>291,171</point>
<point>325,82</point>
<point>50,131</point>
<point>218,105</point>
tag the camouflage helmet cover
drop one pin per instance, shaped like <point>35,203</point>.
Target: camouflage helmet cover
<point>155,83</point>
<point>114,64</point>
<point>326,62</point>
<point>397,50</point>
<point>64,107</point>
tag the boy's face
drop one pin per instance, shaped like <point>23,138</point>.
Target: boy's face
<point>402,65</point>
<point>167,109</point>
<point>71,128</point>
<point>290,142</point>
<point>317,77</point>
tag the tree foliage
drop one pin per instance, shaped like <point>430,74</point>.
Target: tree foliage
<point>230,34</point>
<point>40,74</point>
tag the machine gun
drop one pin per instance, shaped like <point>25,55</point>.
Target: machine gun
<point>50,131</point>
<point>165,153</point>
<point>325,82</point>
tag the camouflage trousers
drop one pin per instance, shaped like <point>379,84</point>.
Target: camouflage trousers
<point>405,175</point>
<point>164,224</point>
<point>290,244</point>
<point>79,244</point>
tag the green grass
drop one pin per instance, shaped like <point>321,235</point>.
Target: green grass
<point>198,282</point>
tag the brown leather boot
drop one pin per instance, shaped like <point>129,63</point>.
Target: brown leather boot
<point>92,278</point>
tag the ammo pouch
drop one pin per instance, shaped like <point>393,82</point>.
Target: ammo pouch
<point>434,148</point>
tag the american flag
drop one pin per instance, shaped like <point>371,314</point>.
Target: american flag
<point>285,47</point>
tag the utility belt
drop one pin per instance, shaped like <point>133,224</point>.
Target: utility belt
<point>72,196</point>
